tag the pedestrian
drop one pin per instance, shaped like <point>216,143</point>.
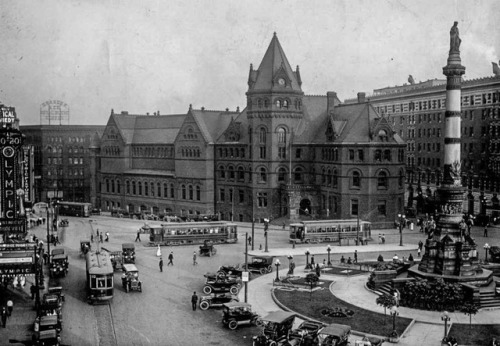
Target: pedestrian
<point>380,258</point>
<point>355,256</point>
<point>420,245</point>
<point>100,237</point>
<point>485,234</point>
<point>107,236</point>
<point>170,259</point>
<point>418,252</point>
<point>318,270</point>
<point>57,240</point>
<point>395,259</point>
<point>383,238</point>
<point>32,291</point>
<point>138,236</point>
<point>312,261</point>
<point>349,260</point>
<point>411,226</point>
<point>194,259</point>
<point>284,225</point>
<point>194,301</point>
<point>97,232</point>
<point>161,264</point>
<point>92,237</point>
<point>380,238</point>
<point>249,240</point>
<point>4,316</point>
<point>10,307</point>
<point>410,258</point>
<point>342,259</point>
<point>35,239</point>
<point>45,257</point>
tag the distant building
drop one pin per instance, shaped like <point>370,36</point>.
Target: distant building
<point>61,160</point>
<point>286,154</point>
<point>416,111</point>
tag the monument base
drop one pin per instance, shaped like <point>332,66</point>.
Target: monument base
<point>480,279</point>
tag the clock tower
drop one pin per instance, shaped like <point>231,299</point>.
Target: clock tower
<point>274,112</point>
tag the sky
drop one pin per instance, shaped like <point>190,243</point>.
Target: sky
<point>163,55</point>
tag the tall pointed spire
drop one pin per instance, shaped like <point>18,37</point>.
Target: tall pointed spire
<point>275,69</point>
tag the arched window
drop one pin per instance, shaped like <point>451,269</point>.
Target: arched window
<point>231,172</point>
<point>118,186</point>
<point>158,189</point>
<point>172,191</point>
<point>281,174</point>
<point>127,187</point>
<point>263,175</point>
<point>262,135</point>
<point>285,104</point>
<point>241,173</point>
<point>281,135</point>
<point>152,186</point>
<point>278,103</point>
<point>191,192</point>
<point>356,179</point>
<point>183,191</point>
<point>133,188</point>
<point>387,155</point>
<point>335,178</point>
<point>146,189</point>
<point>378,155</point>
<point>165,190</point>
<point>198,193</point>
<point>382,180</point>
<point>107,186</point>
<point>139,188</point>
<point>329,177</point>
<point>222,172</point>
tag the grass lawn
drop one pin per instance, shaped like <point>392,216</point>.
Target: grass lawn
<point>479,334</point>
<point>363,320</point>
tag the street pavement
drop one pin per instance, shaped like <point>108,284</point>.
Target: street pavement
<point>428,328</point>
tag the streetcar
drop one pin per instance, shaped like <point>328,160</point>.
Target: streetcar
<point>99,277</point>
<point>340,231</point>
<point>74,208</point>
<point>186,233</point>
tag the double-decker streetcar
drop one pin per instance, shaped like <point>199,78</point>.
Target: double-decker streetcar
<point>185,233</point>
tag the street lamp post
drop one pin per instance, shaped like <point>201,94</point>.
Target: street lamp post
<point>486,248</point>
<point>402,218</point>
<point>308,266</point>
<point>329,249</point>
<point>277,264</point>
<point>394,334</point>
<point>445,317</point>
<point>266,227</point>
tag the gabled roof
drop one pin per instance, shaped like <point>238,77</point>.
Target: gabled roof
<point>212,123</point>
<point>274,64</point>
<point>157,129</point>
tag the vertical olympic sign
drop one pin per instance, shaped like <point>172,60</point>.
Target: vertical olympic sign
<point>11,141</point>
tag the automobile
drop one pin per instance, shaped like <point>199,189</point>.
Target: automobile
<point>207,249</point>
<point>51,303</point>
<point>116,260</point>
<point>58,291</point>
<point>214,283</point>
<point>47,330</point>
<point>130,278</point>
<point>306,333</point>
<point>276,326</point>
<point>260,264</point>
<point>128,253</point>
<point>236,314</point>
<point>95,211</point>
<point>216,300</point>
<point>369,341</point>
<point>495,254</point>
<point>58,262</point>
<point>334,335</point>
<point>85,246</point>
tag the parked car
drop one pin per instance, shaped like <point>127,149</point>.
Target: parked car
<point>128,253</point>
<point>207,249</point>
<point>58,291</point>
<point>216,300</point>
<point>334,335</point>
<point>47,330</point>
<point>276,326</point>
<point>215,283</point>
<point>237,314</point>
<point>58,262</point>
<point>306,333</point>
<point>260,264</point>
<point>130,278</point>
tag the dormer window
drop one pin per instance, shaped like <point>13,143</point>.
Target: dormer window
<point>382,135</point>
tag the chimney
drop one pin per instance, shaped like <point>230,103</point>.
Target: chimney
<point>361,97</point>
<point>332,100</point>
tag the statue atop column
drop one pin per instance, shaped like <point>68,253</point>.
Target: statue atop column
<point>454,38</point>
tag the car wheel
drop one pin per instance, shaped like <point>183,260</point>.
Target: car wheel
<point>269,269</point>
<point>272,343</point>
<point>234,290</point>
<point>263,271</point>
<point>207,289</point>
<point>204,305</point>
<point>233,324</point>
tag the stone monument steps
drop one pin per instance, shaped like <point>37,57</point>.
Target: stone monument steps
<point>488,299</point>
<point>385,289</point>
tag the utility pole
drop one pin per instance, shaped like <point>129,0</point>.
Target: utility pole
<point>246,265</point>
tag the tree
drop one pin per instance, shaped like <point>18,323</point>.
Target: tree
<point>387,302</point>
<point>469,308</point>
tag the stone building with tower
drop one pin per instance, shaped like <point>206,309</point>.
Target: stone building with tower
<point>287,154</point>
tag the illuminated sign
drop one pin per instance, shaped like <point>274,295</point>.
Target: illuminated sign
<point>17,247</point>
<point>8,115</point>
<point>27,175</point>
<point>15,260</point>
